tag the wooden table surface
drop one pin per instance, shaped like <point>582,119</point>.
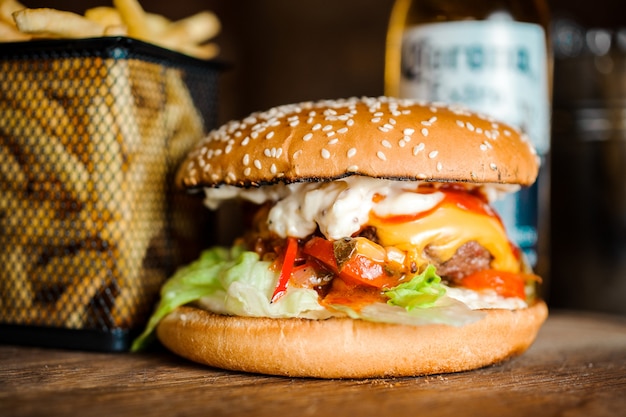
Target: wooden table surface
<point>577,367</point>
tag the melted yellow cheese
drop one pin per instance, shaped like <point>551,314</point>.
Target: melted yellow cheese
<point>445,230</point>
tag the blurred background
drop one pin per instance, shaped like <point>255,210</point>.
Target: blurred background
<point>288,51</point>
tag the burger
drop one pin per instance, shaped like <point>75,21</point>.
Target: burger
<point>370,247</point>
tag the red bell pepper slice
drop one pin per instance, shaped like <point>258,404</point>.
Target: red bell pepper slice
<point>287,268</point>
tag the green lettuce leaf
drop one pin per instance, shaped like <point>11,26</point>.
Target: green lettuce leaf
<point>188,284</point>
<point>230,281</point>
<point>422,291</point>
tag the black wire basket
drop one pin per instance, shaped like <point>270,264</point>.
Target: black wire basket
<point>91,134</point>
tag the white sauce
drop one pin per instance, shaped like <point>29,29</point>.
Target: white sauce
<point>340,208</point>
<point>484,299</point>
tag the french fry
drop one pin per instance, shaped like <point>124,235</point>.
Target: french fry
<point>119,30</point>
<point>193,30</point>
<point>57,23</point>
<point>184,122</point>
<point>7,8</point>
<point>105,16</point>
<point>134,17</point>
<point>16,290</point>
<point>71,307</point>
<point>206,51</point>
<point>9,33</point>
<point>11,171</point>
<point>157,24</point>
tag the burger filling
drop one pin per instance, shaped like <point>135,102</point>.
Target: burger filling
<point>373,249</point>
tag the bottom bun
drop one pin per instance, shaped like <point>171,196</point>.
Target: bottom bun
<point>347,348</point>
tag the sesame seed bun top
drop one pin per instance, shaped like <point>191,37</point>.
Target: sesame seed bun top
<point>377,137</point>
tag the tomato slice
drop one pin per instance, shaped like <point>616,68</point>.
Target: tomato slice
<point>506,284</point>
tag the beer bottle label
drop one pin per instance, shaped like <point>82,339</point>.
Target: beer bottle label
<point>495,67</point>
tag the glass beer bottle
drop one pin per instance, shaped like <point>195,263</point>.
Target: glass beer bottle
<point>492,56</point>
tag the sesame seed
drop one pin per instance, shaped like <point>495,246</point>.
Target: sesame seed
<point>245,141</point>
<point>439,166</point>
<point>479,130</point>
<point>331,133</point>
<point>327,128</point>
<point>333,141</point>
<point>296,154</point>
<point>267,152</point>
<point>273,169</point>
<point>433,154</point>
<point>483,147</point>
<point>408,131</point>
<point>507,133</point>
<point>460,123</point>
<point>469,126</point>
<point>381,155</point>
<point>353,168</point>
<point>432,120</point>
<point>270,135</point>
<point>246,159</point>
<point>418,148</point>
<point>316,126</point>
<point>351,152</point>
<point>388,126</point>
<point>309,120</point>
<point>247,171</point>
<point>383,129</point>
<point>350,122</point>
<point>424,132</point>
<point>375,120</point>
<point>342,130</point>
<point>232,176</point>
<point>379,114</point>
<point>307,137</point>
<point>254,135</point>
<point>325,153</point>
<point>402,143</point>
<point>493,166</point>
<point>279,152</point>
<point>257,164</point>
<point>407,139</point>
<point>294,123</point>
<point>392,121</point>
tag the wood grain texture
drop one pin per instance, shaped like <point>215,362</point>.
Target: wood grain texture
<point>577,367</point>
